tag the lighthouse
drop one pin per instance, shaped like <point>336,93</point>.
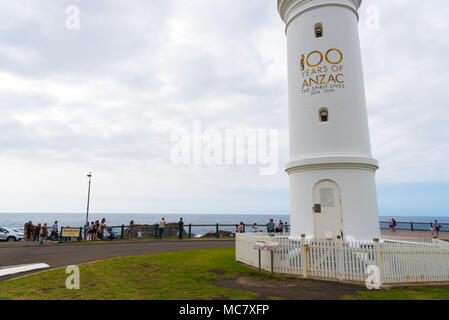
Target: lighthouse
<point>331,167</point>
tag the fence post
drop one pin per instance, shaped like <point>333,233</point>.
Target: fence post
<point>304,256</point>
<point>411,224</point>
<point>156,229</point>
<point>122,232</point>
<point>379,260</point>
<point>190,230</point>
<point>81,232</point>
<point>218,232</point>
<point>60,238</point>
<point>244,228</point>
<point>340,259</point>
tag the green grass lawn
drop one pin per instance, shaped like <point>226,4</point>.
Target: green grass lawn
<point>175,276</point>
<point>185,275</point>
<point>430,293</point>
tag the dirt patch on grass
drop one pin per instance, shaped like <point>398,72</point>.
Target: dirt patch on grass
<point>220,272</point>
<point>291,289</point>
<point>46,290</point>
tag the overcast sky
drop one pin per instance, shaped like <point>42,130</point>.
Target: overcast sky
<point>106,98</point>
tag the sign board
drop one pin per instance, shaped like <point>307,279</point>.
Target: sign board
<point>266,246</point>
<point>70,232</point>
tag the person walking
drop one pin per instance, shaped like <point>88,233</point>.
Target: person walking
<point>161,228</point>
<point>390,224</point>
<point>241,227</point>
<point>437,227</point>
<point>395,224</point>
<point>432,229</point>
<point>180,228</point>
<point>131,230</point>
<point>44,234</point>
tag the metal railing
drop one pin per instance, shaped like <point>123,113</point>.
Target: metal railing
<point>413,226</point>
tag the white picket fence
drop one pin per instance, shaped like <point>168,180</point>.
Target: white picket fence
<point>398,261</point>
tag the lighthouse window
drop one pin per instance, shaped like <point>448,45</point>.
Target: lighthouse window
<point>318,30</point>
<point>324,115</point>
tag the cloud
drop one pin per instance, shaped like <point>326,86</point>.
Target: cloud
<point>107,97</point>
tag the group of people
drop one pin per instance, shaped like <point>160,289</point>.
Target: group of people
<point>160,229</point>
<point>272,227</point>
<point>39,232</point>
<point>96,230</point>
<point>392,224</point>
<point>435,227</point>
<point>277,226</point>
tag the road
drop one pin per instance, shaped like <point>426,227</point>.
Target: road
<point>65,255</point>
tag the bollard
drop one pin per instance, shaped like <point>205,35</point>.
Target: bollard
<point>218,232</point>
<point>122,232</point>
<point>190,230</point>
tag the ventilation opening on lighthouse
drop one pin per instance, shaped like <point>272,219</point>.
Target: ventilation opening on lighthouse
<point>318,30</point>
<point>324,115</point>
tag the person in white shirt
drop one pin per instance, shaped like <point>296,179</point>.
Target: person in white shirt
<point>255,227</point>
<point>161,228</point>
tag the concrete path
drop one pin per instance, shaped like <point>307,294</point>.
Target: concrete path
<point>57,256</point>
<point>415,234</point>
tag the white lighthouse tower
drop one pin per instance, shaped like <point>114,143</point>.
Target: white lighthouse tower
<point>331,168</point>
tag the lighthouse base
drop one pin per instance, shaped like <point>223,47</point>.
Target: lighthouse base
<point>331,199</point>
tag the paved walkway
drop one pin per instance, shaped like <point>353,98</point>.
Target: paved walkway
<point>57,256</point>
<point>414,234</point>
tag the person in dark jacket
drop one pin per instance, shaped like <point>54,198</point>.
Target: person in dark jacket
<point>180,228</point>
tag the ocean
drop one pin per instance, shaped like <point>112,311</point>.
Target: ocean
<point>17,220</point>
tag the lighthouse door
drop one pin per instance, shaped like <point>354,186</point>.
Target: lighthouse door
<point>328,213</point>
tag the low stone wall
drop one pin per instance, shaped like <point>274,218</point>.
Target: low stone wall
<point>150,231</point>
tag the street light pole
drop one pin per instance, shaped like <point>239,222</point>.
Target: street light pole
<point>87,212</point>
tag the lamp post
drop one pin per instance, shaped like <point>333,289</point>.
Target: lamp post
<point>87,212</point>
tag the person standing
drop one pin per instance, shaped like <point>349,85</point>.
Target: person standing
<point>131,230</point>
<point>90,232</point>
<point>390,224</point>
<point>281,227</point>
<point>29,231</point>
<point>394,224</point>
<point>241,227</point>
<point>180,228</point>
<point>161,228</point>
<point>139,234</point>
<point>54,231</point>
<point>25,234</point>
<point>101,229</point>
<point>437,227</point>
<point>44,233</point>
<point>37,232</point>
<point>270,226</point>
<point>255,228</point>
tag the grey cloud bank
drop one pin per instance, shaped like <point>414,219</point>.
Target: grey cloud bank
<point>107,97</point>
